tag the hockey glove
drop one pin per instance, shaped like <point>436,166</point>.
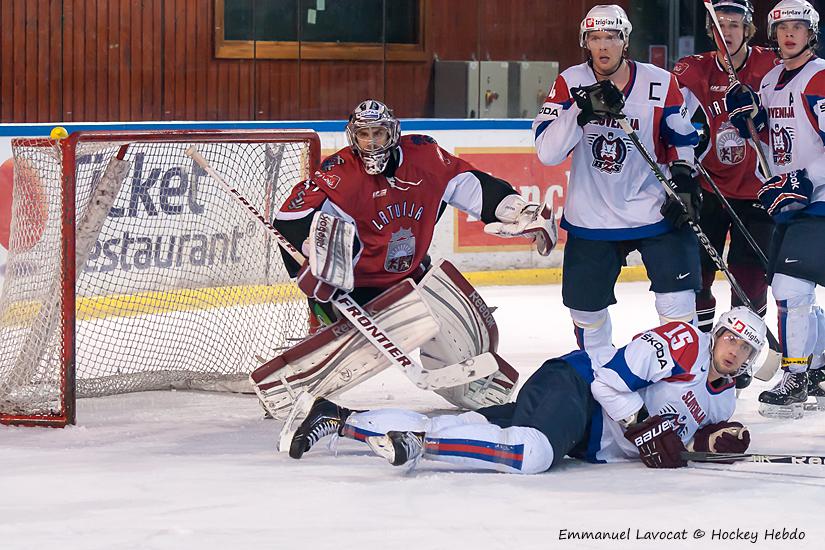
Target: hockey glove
<point>743,103</point>
<point>722,437</point>
<point>598,101</point>
<point>784,195</point>
<point>519,218</point>
<point>679,212</point>
<point>659,445</point>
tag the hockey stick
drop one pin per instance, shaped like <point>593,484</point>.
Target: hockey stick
<point>748,457</point>
<point>734,79</point>
<point>733,216</point>
<point>444,377</point>
<point>773,360</point>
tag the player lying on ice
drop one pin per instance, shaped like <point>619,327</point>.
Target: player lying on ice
<point>669,389</point>
<point>365,220</point>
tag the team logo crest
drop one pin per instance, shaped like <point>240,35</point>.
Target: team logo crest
<point>677,421</point>
<point>730,147</point>
<point>400,251</point>
<point>781,144</point>
<point>609,153</point>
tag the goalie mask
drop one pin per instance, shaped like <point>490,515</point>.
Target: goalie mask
<point>793,10</point>
<point>605,18</point>
<point>373,132</point>
<point>744,325</point>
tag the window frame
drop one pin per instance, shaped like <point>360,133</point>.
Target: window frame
<point>352,51</point>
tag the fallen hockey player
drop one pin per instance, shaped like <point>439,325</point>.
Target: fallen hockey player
<point>670,389</point>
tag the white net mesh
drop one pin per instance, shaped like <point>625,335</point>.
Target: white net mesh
<point>182,287</point>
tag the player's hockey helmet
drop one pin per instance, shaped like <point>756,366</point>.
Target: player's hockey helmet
<point>373,114</point>
<point>793,10</point>
<point>605,18</point>
<point>743,7</point>
<point>746,325</point>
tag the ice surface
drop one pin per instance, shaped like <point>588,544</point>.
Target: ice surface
<point>195,470</point>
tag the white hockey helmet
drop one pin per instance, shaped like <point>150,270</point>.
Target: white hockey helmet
<point>793,10</point>
<point>605,18</point>
<point>746,325</point>
<point>745,7</point>
<point>373,114</point>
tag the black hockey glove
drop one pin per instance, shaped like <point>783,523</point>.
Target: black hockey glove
<point>659,445</point>
<point>598,101</point>
<point>742,103</point>
<point>687,207</point>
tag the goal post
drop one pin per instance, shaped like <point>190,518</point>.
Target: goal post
<point>129,269</point>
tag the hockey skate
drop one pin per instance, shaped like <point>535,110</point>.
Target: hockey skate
<point>398,448</point>
<point>787,398</point>
<point>323,419</point>
<point>816,389</point>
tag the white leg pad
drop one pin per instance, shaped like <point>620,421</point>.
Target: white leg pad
<point>517,449</point>
<point>339,357</point>
<point>468,329</point>
<point>677,306</point>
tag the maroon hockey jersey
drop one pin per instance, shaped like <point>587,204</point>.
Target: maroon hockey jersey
<point>394,216</point>
<point>729,160</point>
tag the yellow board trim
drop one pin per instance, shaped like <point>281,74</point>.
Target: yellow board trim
<point>145,303</point>
<point>544,276</point>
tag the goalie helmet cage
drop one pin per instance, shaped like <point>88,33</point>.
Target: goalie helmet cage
<point>175,286</point>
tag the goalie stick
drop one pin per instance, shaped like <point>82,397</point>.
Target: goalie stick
<point>772,362</point>
<point>734,79</point>
<point>752,457</point>
<point>448,376</point>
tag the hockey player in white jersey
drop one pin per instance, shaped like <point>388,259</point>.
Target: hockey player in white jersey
<point>668,390</point>
<point>614,203</point>
<point>791,120</point>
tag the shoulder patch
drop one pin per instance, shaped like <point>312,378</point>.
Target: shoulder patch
<point>330,162</point>
<point>680,68</point>
<point>418,139</point>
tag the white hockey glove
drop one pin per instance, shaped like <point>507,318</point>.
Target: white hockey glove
<point>329,265</point>
<point>519,218</point>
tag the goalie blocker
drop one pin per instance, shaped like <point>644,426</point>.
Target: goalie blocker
<point>443,315</point>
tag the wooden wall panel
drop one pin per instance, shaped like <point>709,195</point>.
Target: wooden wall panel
<point>122,60</point>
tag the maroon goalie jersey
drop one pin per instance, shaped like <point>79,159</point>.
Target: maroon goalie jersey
<point>394,216</point>
<point>729,159</point>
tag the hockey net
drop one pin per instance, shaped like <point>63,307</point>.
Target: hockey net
<point>175,286</point>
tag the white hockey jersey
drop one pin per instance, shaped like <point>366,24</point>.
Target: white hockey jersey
<point>795,101</point>
<point>666,370</point>
<point>612,193</point>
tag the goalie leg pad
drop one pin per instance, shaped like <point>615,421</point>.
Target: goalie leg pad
<point>468,330</point>
<point>339,357</point>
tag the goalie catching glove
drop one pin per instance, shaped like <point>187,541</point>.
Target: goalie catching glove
<point>328,268</point>
<point>519,218</point>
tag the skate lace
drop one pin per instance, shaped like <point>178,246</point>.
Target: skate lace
<point>414,448</point>
<point>790,383</point>
<point>321,430</point>
<point>333,444</point>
